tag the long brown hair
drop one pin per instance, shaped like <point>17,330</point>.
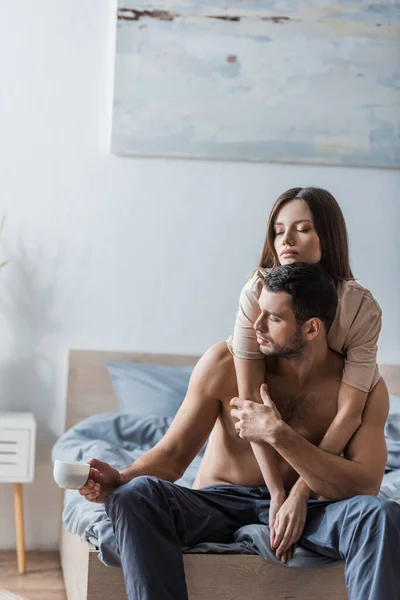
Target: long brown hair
<point>330,226</point>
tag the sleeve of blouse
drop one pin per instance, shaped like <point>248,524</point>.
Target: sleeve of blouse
<point>361,345</point>
<point>244,343</point>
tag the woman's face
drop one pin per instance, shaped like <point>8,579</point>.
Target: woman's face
<point>296,239</point>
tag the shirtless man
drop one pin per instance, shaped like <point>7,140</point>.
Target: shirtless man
<point>153,517</point>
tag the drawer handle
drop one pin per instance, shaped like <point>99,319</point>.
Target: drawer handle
<point>5,452</point>
<point>7,463</point>
<point>10,442</point>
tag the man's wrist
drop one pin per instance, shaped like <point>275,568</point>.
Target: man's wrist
<point>124,476</point>
<point>276,433</point>
<point>301,489</point>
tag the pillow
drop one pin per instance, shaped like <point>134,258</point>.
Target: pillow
<point>394,408</point>
<point>392,433</point>
<point>143,389</point>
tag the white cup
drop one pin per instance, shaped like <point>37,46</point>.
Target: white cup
<point>70,475</point>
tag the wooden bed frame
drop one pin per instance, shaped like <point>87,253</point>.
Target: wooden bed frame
<point>208,576</point>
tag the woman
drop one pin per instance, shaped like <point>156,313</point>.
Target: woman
<point>307,225</point>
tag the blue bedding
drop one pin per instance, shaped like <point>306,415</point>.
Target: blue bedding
<point>119,439</point>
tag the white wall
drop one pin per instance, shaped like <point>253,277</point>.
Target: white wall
<point>145,255</point>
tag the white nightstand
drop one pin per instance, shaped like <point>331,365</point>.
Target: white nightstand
<point>17,464</point>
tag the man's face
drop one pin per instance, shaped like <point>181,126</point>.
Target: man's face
<point>277,331</point>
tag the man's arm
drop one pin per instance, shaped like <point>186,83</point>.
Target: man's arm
<point>191,426</point>
<point>361,469</point>
<point>336,478</point>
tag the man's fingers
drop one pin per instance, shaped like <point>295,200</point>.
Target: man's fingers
<point>295,535</point>
<point>291,536</point>
<point>90,493</point>
<point>243,404</point>
<point>266,399</point>
<point>264,394</point>
<point>90,488</point>
<point>92,496</point>
<point>97,464</point>
<point>85,489</point>
<point>95,475</point>
<point>284,557</point>
<point>238,402</point>
<point>286,540</point>
<point>95,491</point>
<point>235,414</point>
<point>280,529</point>
<point>239,431</point>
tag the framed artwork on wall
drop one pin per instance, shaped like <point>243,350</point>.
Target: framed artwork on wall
<point>269,80</point>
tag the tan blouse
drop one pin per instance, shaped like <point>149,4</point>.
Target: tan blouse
<point>354,332</point>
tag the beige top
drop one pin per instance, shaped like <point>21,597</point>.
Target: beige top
<point>354,332</point>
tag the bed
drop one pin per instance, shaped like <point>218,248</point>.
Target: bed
<point>208,576</point>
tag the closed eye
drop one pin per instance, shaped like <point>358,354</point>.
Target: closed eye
<point>298,230</point>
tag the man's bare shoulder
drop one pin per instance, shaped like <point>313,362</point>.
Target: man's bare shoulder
<point>335,364</point>
<point>215,371</point>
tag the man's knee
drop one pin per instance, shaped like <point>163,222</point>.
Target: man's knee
<point>131,494</point>
<point>372,507</point>
<point>390,511</point>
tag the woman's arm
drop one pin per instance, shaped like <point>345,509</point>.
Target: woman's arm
<point>351,403</point>
<point>360,375</point>
<point>250,374</point>
<point>361,469</point>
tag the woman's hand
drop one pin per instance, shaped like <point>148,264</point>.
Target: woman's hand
<point>289,525</point>
<point>276,502</point>
<point>102,480</point>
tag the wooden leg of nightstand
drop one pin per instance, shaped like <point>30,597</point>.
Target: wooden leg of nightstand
<point>19,527</point>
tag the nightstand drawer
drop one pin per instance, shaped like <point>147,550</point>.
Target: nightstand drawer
<point>14,453</point>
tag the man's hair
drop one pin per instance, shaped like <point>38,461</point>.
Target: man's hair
<point>312,290</point>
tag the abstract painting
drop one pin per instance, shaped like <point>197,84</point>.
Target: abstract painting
<point>285,81</point>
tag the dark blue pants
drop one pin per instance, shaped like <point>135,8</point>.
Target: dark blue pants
<point>153,519</point>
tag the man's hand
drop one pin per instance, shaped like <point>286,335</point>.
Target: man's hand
<point>256,422</point>
<point>289,525</point>
<point>102,480</point>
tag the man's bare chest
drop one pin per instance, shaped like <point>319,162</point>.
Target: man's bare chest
<point>310,412</point>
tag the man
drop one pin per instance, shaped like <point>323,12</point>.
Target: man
<point>153,517</point>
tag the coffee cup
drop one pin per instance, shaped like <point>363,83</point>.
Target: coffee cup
<point>69,474</point>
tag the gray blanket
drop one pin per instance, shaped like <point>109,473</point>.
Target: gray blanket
<point>119,439</point>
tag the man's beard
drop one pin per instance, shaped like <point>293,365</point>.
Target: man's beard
<point>291,350</point>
